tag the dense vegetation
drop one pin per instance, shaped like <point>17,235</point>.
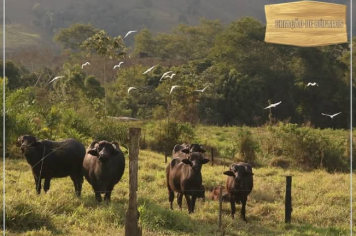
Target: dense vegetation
<point>244,75</point>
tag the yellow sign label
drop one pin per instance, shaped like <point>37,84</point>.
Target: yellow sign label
<point>306,23</point>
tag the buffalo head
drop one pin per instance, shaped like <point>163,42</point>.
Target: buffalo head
<point>239,171</point>
<point>27,141</point>
<point>195,160</point>
<point>103,149</point>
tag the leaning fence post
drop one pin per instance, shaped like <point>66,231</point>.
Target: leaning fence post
<point>212,156</point>
<point>132,214</point>
<point>288,203</point>
<point>220,209</point>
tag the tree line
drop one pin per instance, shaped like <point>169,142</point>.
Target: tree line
<point>244,75</point>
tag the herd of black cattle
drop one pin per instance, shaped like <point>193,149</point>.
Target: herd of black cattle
<point>103,165</point>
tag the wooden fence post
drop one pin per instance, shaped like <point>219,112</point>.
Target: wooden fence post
<point>165,154</point>
<point>288,203</point>
<point>220,209</point>
<point>212,156</point>
<point>132,214</point>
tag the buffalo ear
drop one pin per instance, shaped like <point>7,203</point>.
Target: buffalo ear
<point>205,160</point>
<point>185,150</point>
<point>93,152</point>
<point>202,150</point>
<point>116,145</point>
<point>92,145</point>
<point>187,161</point>
<point>229,173</point>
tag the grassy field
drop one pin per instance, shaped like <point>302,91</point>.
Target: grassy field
<point>320,204</point>
<point>18,36</point>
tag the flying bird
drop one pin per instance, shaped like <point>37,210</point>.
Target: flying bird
<point>173,87</point>
<point>130,32</point>
<point>201,90</point>
<point>165,74</point>
<point>149,70</point>
<point>331,116</point>
<point>312,84</point>
<point>170,76</point>
<point>273,105</point>
<point>115,66</point>
<point>131,88</point>
<point>85,64</point>
<point>55,78</point>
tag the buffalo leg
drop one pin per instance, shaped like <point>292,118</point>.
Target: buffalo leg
<point>46,184</point>
<point>108,193</point>
<point>243,209</point>
<point>77,182</point>
<point>189,203</point>
<point>179,200</point>
<point>233,208</point>
<point>107,196</point>
<point>171,198</point>
<point>38,185</point>
<point>194,198</point>
<point>170,195</point>
<point>80,181</point>
<point>98,197</point>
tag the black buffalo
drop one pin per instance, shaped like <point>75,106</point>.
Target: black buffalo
<point>184,177</point>
<point>49,159</point>
<point>239,185</point>
<point>103,166</point>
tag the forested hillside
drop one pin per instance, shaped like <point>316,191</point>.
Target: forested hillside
<point>117,17</point>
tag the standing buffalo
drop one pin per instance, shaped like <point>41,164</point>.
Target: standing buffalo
<point>179,153</point>
<point>184,176</point>
<point>103,166</point>
<point>49,159</point>
<point>239,185</point>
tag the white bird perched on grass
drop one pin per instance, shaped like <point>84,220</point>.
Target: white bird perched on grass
<point>131,88</point>
<point>85,64</point>
<point>173,87</point>
<point>115,66</point>
<point>312,84</point>
<point>55,78</point>
<point>149,70</point>
<point>130,32</point>
<point>273,105</point>
<point>201,90</point>
<point>165,74</point>
<point>331,116</point>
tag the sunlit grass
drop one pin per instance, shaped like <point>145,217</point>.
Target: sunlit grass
<point>320,204</point>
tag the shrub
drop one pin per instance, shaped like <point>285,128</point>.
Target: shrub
<point>310,149</point>
<point>280,162</point>
<point>246,145</point>
<point>110,130</point>
<point>164,136</point>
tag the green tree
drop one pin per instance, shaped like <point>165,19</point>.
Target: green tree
<point>73,36</point>
<point>105,47</point>
<point>144,43</point>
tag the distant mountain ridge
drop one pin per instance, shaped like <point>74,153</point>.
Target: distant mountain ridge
<point>119,16</point>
